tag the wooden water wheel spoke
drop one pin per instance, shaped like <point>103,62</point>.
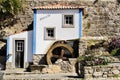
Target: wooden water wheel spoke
<point>55,56</point>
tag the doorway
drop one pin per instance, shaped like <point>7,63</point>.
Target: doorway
<point>19,53</point>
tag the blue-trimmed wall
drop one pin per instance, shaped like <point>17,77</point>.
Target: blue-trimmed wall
<point>8,44</point>
<point>80,23</point>
<point>34,31</point>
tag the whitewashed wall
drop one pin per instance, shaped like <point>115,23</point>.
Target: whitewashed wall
<point>28,37</point>
<point>53,18</point>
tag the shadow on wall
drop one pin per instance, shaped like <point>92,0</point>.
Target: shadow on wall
<point>79,68</point>
<point>118,1</point>
<point>29,27</point>
<point>7,19</point>
<point>3,57</point>
<point>43,60</point>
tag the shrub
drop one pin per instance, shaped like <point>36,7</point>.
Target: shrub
<point>90,60</point>
<point>114,44</point>
<point>114,47</point>
<point>115,52</point>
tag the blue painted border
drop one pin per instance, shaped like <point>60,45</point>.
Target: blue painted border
<point>80,23</point>
<point>8,48</point>
<point>34,31</point>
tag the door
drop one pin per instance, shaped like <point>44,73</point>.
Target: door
<point>19,53</point>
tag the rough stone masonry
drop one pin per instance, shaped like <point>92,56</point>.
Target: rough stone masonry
<point>100,17</point>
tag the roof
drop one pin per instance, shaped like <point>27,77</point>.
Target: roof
<point>58,6</point>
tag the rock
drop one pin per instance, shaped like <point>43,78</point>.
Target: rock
<point>104,76</point>
<point>49,71</point>
<point>97,74</point>
<point>88,68</point>
<point>58,61</point>
<point>90,71</point>
<point>44,70</point>
<point>105,73</point>
<point>56,69</point>
<point>65,65</point>
<point>110,75</point>
<point>116,71</point>
<point>86,71</point>
<point>88,75</point>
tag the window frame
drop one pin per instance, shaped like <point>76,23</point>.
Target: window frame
<point>46,37</point>
<point>20,46</point>
<point>67,25</point>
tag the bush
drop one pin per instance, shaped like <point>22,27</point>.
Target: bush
<point>115,52</point>
<point>90,60</point>
<point>114,47</point>
<point>114,44</point>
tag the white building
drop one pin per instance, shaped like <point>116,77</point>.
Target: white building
<point>51,23</point>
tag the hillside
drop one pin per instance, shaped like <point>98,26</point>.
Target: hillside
<point>100,17</point>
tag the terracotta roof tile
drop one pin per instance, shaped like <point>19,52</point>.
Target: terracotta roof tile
<point>58,6</point>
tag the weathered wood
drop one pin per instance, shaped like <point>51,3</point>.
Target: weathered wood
<point>55,45</point>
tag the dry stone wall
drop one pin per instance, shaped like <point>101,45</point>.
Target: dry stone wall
<point>107,71</point>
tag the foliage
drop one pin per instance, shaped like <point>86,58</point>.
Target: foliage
<point>90,60</point>
<point>115,52</point>
<point>114,46</point>
<point>88,25</point>
<point>10,6</point>
<point>116,75</point>
<point>86,16</point>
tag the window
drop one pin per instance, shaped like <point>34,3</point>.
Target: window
<point>68,21</point>
<point>19,45</point>
<point>49,33</point>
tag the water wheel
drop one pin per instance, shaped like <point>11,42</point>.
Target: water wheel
<point>60,44</point>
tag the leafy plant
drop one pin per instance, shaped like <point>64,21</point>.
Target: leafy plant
<point>86,16</point>
<point>88,25</point>
<point>114,46</point>
<point>116,75</point>
<point>90,60</point>
<point>115,52</point>
<point>10,6</point>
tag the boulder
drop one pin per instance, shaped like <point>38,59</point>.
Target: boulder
<point>115,71</point>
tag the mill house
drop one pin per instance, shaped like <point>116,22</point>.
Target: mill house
<point>50,24</point>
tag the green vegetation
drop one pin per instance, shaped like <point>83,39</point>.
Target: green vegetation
<point>114,47</point>
<point>88,25</point>
<point>90,60</point>
<point>115,52</point>
<point>116,75</point>
<point>8,11</point>
<point>86,15</point>
<point>10,6</point>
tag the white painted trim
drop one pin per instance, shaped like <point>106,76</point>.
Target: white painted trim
<point>45,38</point>
<point>68,26</point>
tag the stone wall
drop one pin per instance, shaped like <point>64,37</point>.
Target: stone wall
<point>100,17</point>
<point>103,71</point>
<point>39,59</point>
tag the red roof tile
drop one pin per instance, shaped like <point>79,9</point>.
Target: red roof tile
<point>58,6</point>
